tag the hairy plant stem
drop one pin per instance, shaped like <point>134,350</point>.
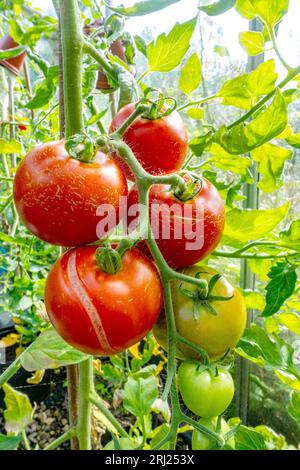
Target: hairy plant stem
<point>72,53</point>
<point>61,439</point>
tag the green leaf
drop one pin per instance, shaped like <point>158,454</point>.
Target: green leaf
<point>243,226</point>
<point>253,42</point>
<point>291,236</point>
<point>243,91</point>
<point>254,300</point>
<point>294,140</point>
<point>139,395</point>
<point>294,406</point>
<point>290,321</point>
<point>282,285</point>
<point>49,351</point>
<point>44,90</point>
<point>219,7</point>
<point>196,113</point>
<point>270,159</point>
<point>270,11</point>
<point>245,9</point>
<point>243,138</point>
<point>227,162</point>
<point>19,412</point>
<point>272,350</point>
<point>200,143</point>
<point>190,75</point>
<point>249,439</point>
<point>167,51</point>
<point>9,442</point>
<point>14,52</point>
<point>158,434</point>
<point>11,146</point>
<point>289,379</point>
<point>142,8</point>
<point>141,45</point>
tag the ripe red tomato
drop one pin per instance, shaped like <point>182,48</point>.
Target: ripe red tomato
<point>160,145</point>
<point>186,232</point>
<point>100,313</point>
<point>22,127</point>
<point>57,196</point>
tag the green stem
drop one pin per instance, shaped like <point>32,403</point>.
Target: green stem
<point>140,109</point>
<point>7,204</point>
<point>274,43</point>
<point>292,74</point>
<point>99,56</point>
<point>226,254</point>
<point>10,371</point>
<point>98,402</point>
<point>25,440</point>
<point>84,417</point>
<point>144,74</point>
<point>72,50</point>
<point>197,103</point>
<point>61,439</point>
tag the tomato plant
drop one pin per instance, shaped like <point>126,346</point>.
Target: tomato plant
<point>214,321</point>
<point>211,143</point>
<point>160,144</point>
<point>186,230</point>
<point>57,196</point>
<point>207,393</point>
<point>101,313</point>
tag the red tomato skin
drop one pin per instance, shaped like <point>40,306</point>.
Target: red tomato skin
<point>160,145</point>
<point>99,313</point>
<point>22,127</point>
<point>174,250</point>
<point>57,196</point>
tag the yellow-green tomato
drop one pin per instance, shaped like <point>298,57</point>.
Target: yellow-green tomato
<point>201,441</point>
<point>216,334</point>
<point>206,393</point>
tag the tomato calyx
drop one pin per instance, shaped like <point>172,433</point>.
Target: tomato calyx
<point>108,259</point>
<point>158,107</point>
<point>204,297</point>
<point>192,187</point>
<point>81,147</point>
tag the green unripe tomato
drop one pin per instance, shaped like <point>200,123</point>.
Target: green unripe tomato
<point>203,392</point>
<point>201,441</point>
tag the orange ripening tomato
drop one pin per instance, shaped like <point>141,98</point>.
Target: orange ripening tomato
<point>100,313</point>
<point>57,196</point>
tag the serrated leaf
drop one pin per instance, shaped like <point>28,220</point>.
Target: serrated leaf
<point>270,11</point>
<point>142,8</point>
<point>227,162</point>
<point>49,351</point>
<point>139,395</point>
<point>11,146</point>
<point>242,91</point>
<point>200,143</point>
<point>271,160</point>
<point>253,42</point>
<point>167,51</point>
<point>9,442</point>
<point>44,90</point>
<point>217,8</point>
<point>190,74</point>
<point>19,412</point>
<point>243,138</point>
<point>250,224</point>
<point>282,285</point>
<point>249,439</point>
